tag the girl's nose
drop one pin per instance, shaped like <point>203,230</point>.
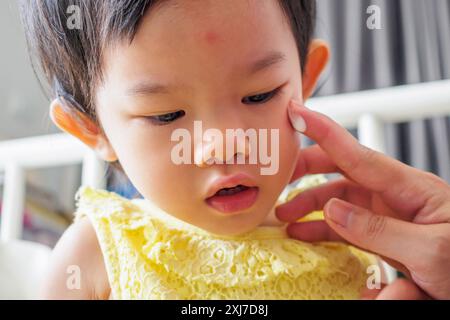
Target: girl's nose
<point>220,149</point>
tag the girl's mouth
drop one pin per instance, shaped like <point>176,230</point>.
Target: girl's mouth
<point>237,198</point>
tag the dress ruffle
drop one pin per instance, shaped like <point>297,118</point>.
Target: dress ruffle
<point>151,255</point>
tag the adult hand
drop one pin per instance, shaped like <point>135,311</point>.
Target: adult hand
<point>380,205</point>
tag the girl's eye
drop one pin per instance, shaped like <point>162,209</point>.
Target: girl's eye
<point>167,118</point>
<point>260,98</point>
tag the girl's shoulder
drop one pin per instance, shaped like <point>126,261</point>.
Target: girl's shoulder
<point>76,269</point>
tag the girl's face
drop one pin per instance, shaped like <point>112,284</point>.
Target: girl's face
<point>196,61</point>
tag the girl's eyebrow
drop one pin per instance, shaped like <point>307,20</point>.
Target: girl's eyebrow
<point>149,88</point>
<point>272,58</point>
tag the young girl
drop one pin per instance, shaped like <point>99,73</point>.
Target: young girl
<point>125,75</point>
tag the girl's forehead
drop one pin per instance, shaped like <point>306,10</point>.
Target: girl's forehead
<point>197,44</point>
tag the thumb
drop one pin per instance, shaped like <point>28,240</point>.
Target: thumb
<point>383,235</point>
<point>402,289</point>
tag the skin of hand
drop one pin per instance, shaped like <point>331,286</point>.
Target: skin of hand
<point>380,205</point>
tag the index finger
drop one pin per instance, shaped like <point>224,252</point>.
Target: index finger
<point>365,166</point>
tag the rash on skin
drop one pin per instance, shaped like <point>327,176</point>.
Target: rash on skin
<point>210,37</point>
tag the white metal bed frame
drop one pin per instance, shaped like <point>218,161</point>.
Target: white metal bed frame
<point>366,110</point>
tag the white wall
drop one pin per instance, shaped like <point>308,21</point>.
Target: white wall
<point>22,102</point>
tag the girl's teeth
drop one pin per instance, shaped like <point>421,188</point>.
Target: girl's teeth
<point>230,191</point>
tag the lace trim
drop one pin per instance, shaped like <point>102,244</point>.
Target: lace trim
<point>150,254</point>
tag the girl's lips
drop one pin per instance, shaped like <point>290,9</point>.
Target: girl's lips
<point>231,201</point>
<point>230,182</point>
<point>235,202</point>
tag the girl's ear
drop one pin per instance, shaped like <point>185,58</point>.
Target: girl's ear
<point>83,128</point>
<point>318,55</point>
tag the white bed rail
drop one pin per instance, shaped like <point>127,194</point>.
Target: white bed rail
<point>16,156</point>
<point>366,110</point>
<point>370,110</point>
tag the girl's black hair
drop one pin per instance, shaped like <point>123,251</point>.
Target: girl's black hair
<point>67,55</point>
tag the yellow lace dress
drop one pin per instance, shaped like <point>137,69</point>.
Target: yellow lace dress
<point>149,254</point>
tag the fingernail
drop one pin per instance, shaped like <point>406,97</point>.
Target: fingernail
<point>297,120</point>
<point>339,212</point>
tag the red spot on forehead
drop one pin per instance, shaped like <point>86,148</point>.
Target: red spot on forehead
<point>210,37</point>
